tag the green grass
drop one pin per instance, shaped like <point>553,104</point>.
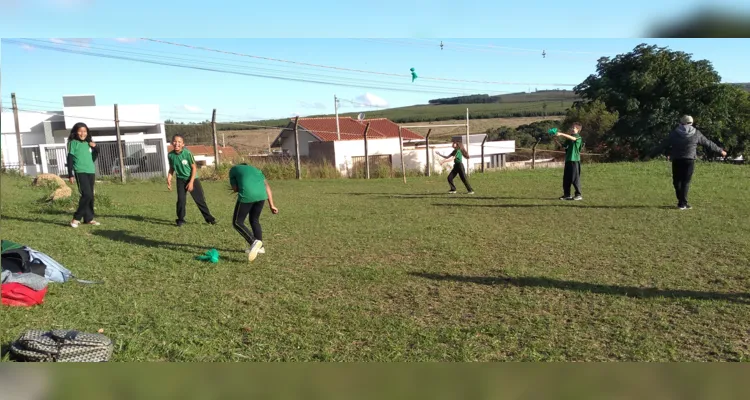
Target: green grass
<point>382,271</point>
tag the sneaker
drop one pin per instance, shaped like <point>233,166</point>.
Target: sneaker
<point>95,223</point>
<point>566,198</point>
<point>685,207</point>
<point>452,192</point>
<point>179,223</point>
<point>212,222</point>
<point>74,223</point>
<point>262,250</point>
<point>579,197</point>
<point>252,252</point>
<point>472,192</point>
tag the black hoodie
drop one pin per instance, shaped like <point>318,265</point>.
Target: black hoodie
<point>683,141</point>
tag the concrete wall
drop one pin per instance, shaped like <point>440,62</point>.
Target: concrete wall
<point>305,138</point>
<point>323,152</point>
<point>104,116</point>
<point>346,149</point>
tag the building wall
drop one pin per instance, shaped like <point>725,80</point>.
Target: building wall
<point>130,115</point>
<point>346,149</point>
<point>305,138</point>
<point>323,152</point>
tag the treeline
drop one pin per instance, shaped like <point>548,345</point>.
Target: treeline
<point>520,97</point>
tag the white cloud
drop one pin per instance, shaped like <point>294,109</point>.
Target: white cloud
<point>56,40</point>
<point>27,47</point>
<point>192,109</point>
<point>371,100</point>
<point>126,40</point>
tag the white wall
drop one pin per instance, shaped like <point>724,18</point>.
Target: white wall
<point>31,126</point>
<point>346,149</point>
<point>130,115</point>
<point>305,138</point>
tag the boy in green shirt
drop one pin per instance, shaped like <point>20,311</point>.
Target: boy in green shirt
<point>182,164</point>
<point>252,191</point>
<point>572,173</point>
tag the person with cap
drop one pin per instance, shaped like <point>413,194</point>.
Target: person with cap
<point>683,141</point>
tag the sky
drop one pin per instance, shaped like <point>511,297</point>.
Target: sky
<point>40,73</point>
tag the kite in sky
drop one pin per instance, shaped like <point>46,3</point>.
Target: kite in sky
<point>413,74</point>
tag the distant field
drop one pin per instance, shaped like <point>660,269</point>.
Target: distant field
<point>253,141</point>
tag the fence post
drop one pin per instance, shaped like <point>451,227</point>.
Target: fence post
<point>367,156</point>
<point>468,144</point>
<point>427,151</point>
<point>533,154</point>
<point>119,145</point>
<point>296,149</point>
<point>43,158</point>
<point>483,140</point>
<point>401,146</point>
<point>216,143</point>
<point>18,135</point>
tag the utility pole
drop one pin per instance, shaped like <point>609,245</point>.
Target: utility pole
<point>119,146</point>
<point>336,109</point>
<point>216,144</point>
<point>18,134</point>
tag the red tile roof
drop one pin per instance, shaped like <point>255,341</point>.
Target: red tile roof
<point>201,150</point>
<point>351,129</point>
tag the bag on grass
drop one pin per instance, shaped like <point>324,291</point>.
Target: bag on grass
<point>26,260</point>
<point>62,346</point>
<point>19,295</point>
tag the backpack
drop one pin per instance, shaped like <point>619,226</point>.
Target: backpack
<point>62,346</point>
<point>26,260</point>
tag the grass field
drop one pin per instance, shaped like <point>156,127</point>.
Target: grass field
<point>381,271</point>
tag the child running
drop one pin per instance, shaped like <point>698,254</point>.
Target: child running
<point>182,164</point>
<point>252,191</point>
<point>82,153</point>
<point>458,154</point>
<point>572,172</point>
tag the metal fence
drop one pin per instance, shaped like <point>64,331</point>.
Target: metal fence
<point>378,164</point>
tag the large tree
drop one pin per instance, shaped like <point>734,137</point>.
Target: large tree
<point>650,88</point>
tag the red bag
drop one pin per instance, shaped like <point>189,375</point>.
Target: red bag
<point>16,294</point>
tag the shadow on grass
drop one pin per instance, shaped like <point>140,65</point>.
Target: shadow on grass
<point>5,351</point>
<point>39,220</point>
<point>628,291</point>
<point>126,237</point>
<point>139,218</point>
<point>561,204</point>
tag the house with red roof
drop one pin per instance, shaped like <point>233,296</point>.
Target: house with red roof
<point>317,130</point>
<point>204,155</point>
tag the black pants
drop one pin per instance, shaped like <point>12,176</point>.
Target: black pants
<point>572,176</point>
<point>458,169</point>
<point>682,173</point>
<point>241,212</point>
<point>198,197</point>
<point>85,211</point>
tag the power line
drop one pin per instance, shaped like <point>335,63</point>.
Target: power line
<point>451,91</point>
<point>354,70</point>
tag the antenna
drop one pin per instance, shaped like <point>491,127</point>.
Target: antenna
<point>361,116</point>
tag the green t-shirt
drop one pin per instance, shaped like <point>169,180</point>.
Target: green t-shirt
<point>250,182</point>
<point>83,159</point>
<point>573,148</point>
<point>458,156</point>
<point>182,163</point>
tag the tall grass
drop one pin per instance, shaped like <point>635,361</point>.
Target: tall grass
<point>275,170</point>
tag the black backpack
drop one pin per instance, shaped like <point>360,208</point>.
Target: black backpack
<point>18,261</point>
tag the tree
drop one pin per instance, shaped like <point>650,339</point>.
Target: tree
<point>597,122</point>
<point>649,88</point>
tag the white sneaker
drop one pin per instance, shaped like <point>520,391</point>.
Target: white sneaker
<point>252,252</point>
<point>95,223</point>
<point>74,224</point>
<point>262,250</point>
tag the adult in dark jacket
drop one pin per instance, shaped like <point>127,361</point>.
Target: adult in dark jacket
<point>682,142</point>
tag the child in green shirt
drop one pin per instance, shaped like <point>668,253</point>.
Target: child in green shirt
<point>82,153</point>
<point>182,164</point>
<point>572,173</point>
<point>252,191</point>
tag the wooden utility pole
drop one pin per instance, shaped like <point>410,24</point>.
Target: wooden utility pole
<point>427,148</point>
<point>336,109</point>
<point>18,135</point>
<point>533,154</point>
<point>401,146</point>
<point>216,142</point>
<point>367,155</point>
<point>119,146</point>
<point>483,141</point>
<point>468,158</point>
<point>296,149</point>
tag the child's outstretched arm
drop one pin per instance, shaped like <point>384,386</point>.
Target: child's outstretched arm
<point>271,204</point>
<point>566,136</point>
<point>169,177</point>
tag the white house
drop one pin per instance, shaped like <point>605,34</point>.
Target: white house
<point>44,135</point>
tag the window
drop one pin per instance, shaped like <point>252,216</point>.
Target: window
<point>31,156</point>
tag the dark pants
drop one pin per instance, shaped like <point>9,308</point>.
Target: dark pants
<point>198,197</point>
<point>682,173</point>
<point>572,176</point>
<point>458,169</point>
<point>241,212</point>
<point>85,211</point>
